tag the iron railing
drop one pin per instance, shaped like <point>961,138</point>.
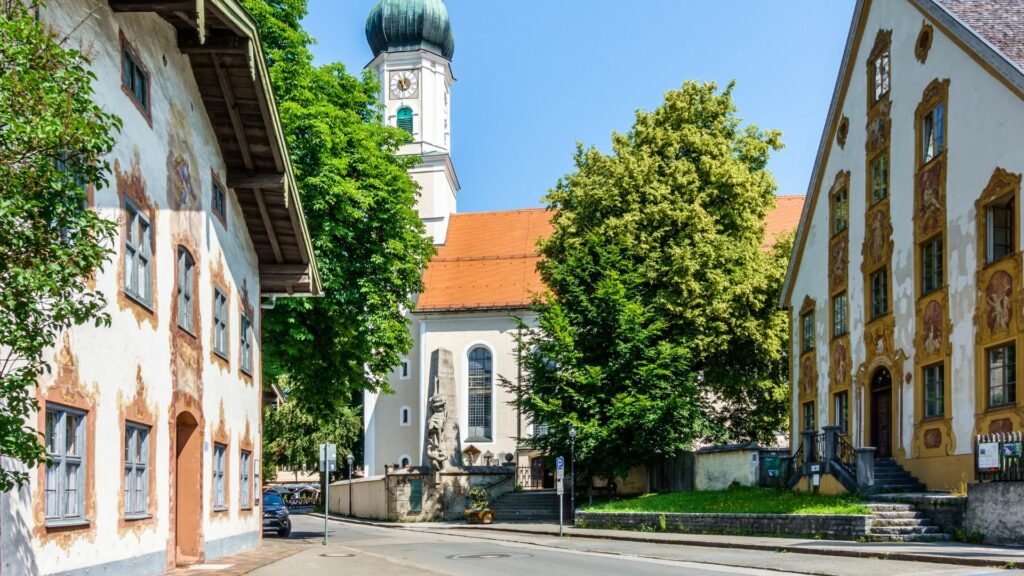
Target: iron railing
<point>529,478</point>
<point>819,447</point>
<point>999,457</point>
<point>846,455</point>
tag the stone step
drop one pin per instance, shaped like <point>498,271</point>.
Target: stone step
<point>898,516</point>
<point>907,487</point>
<point>920,538</point>
<point>891,522</point>
<point>903,530</point>
<point>890,507</point>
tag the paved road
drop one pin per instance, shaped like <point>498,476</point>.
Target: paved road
<point>359,550</point>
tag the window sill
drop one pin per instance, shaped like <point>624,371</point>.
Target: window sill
<point>989,263</point>
<point>220,509</point>
<point>480,439</point>
<point>1001,407</point>
<point>245,372</point>
<point>137,299</point>
<point>932,419</point>
<point>222,356</point>
<point>76,523</point>
<point>137,517</point>
<point>186,331</point>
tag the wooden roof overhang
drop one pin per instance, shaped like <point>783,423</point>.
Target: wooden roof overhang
<point>223,46</point>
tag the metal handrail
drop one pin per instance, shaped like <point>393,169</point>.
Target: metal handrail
<point>845,454</point>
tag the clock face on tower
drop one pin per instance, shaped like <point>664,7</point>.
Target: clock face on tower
<point>404,84</point>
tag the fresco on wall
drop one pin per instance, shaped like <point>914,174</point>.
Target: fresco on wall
<point>997,295</point>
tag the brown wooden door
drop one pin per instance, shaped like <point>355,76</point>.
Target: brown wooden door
<point>881,422</point>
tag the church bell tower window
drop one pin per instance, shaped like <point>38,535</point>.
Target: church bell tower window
<point>404,120</point>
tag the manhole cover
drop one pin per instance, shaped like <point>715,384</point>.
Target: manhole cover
<point>337,555</point>
<point>493,556</point>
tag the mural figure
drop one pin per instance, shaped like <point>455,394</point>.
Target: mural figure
<point>998,296</point>
<point>807,375</point>
<point>838,271</point>
<point>878,237</point>
<point>932,209</point>
<point>932,328</point>
<point>841,367</point>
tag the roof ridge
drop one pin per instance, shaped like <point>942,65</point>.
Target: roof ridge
<point>510,211</point>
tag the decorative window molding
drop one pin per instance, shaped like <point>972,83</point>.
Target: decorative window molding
<point>186,290</point>
<point>841,411</point>
<point>932,268</point>
<point>924,42</point>
<point>65,442</point>
<point>1002,375</point>
<point>809,421</point>
<point>218,199</point>
<point>879,67</point>
<point>135,81</point>
<point>934,379</point>
<point>245,479</point>
<point>840,201</point>
<point>840,315</point>
<point>138,255</point>
<point>245,343</point>
<point>879,285</point>
<point>219,469</point>
<point>807,331</point>
<point>136,470</point>
<point>843,131</point>
<point>220,323</point>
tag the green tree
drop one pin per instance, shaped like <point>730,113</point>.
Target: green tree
<point>661,327</point>
<point>360,205</point>
<point>53,139</point>
<point>292,437</point>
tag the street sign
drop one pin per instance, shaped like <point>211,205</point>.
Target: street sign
<point>328,457</point>
<point>560,485</point>
<point>560,464</point>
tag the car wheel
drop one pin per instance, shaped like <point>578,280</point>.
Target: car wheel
<point>285,530</point>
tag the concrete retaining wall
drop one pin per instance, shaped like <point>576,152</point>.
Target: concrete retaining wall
<point>996,510</point>
<point>837,526</point>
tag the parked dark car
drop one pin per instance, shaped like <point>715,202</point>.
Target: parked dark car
<point>275,514</point>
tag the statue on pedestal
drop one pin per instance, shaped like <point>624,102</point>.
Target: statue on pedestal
<point>435,433</point>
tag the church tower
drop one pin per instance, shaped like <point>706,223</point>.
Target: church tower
<point>412,45</point>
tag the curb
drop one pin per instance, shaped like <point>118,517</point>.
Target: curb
<point>626,537</point>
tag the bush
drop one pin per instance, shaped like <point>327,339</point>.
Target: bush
<point>478,499</point>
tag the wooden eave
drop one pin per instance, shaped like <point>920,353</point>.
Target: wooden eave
<point>224,49</point>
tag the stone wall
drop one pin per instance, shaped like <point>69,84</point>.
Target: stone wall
<point>996,510</point>
<point>835,526</point>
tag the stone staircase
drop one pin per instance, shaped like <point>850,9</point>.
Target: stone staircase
<point>902,523</point>
<point>538,506</point>
<point>891,478</point>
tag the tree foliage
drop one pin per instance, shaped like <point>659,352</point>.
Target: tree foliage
<point>292,437</point>
<point>360,205</point>
<point>53,139</point>
<point>661,327</point>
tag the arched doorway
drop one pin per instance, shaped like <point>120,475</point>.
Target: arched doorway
<point>188,505</point>
<point>881,412</point>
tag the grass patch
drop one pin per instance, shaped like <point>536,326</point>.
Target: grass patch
<point>737,500</point>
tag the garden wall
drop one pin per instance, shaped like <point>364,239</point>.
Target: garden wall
<point>996,509</point>
<point>849,526</point>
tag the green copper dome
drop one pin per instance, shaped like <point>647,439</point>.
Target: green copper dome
<point>406,25</point>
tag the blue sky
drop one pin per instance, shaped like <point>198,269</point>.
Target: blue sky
<point>536,76</point>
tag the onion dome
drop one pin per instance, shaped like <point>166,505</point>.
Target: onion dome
<point>409,25</point>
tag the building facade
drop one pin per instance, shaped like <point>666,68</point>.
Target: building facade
<point>482,281</point>
<point>905,280</point>
<point>153,424</point>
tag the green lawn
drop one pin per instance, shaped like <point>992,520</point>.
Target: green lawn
<point>738,500</point>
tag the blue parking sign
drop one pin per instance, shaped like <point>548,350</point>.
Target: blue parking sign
<point>560,463</point>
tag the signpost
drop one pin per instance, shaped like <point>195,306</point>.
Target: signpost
<point>559,485</point>
<point>328,464</point>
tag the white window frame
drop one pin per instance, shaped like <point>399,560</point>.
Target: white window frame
<point>404,369</point>
<point>220,323</point>
<point>219,454</point>
<point>136,470</point>
<point>55,440</point>
<point>405,416</point>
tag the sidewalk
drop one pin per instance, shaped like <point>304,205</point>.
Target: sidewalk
<point>939,552</point>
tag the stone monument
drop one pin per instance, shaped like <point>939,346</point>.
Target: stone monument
<point>443,445</point>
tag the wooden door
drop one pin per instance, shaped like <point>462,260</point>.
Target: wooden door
<point>881,422</point>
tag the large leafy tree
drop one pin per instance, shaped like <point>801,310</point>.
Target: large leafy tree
<point>661,327</point>
<point>292,437</point>
<point>360,206</point>
<point>53,140</point>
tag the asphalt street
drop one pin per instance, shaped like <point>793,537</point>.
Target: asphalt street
<point>357,550</point>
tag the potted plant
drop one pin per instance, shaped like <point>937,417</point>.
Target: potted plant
<point>479,511</point>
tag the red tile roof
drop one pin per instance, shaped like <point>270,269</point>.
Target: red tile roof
<point>999,22</point>
<point>489,259</point>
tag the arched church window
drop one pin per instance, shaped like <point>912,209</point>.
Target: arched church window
<point>405,119</point>
<point>480,393</point>
<point>405,416</point>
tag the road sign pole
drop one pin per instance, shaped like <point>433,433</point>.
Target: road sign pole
<point>560,485</point>
<point>327,495</point>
